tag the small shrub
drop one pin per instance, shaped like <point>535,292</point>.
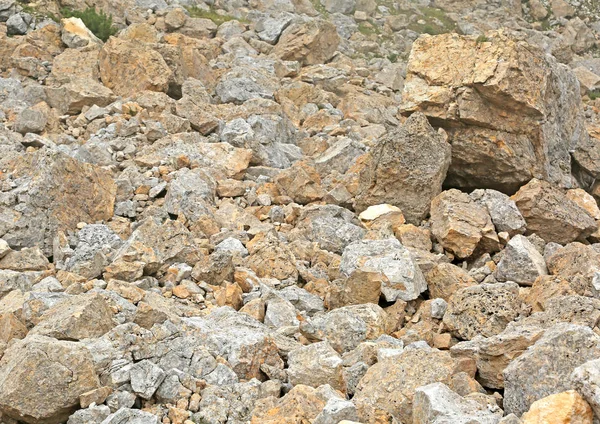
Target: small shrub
<point>393,57</point>
<point>99,23</point>
<point>594,94</point>
<point>196,12</point>
<point>482,39</point>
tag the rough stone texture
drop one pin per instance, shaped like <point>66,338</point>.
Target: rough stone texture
<point>406,169</point>
<point>403,278</point>
<point>521,262</point>
<point>128,67</point>
<point>484,309</point>
<point>544,369</point>
<point>462,226</point>
<point>586,380</point>
<point>551,215</point>
<point>567,407</point>
<point>503,211</point>
<point>437,404</point>
<point>509,133</point>
<point>388,388</point>
<point>316,364</point>
<point>41,379</point>
<point>75,34</point>
<point>62,192</point>
<point>309,43</point>
<point>446,279</point>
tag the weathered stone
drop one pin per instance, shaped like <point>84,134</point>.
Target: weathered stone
<point>61,370</point>
<point>551,215</point>
<point>446,279</point>
<point>145,378</point>
<point>503,211</point>
<point>301,182</point>
<point>503,133</point>
<point>75,34</point>
<point>436,404</point>
<point>484,309</point>
<point>544,369</point>
<point>406,168</point>
<point>30,121</point>
<point>316,364</point>
<point>309,43</point>
<point>131,416</point>
<point>586,380</point>
<point>403,278</point>
<point>128,67</point>
<point>566,407</point>
<point>461,225</point>
<point>521,262</point>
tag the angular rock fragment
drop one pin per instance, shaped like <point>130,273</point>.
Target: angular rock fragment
<point>521,262</point>
<point>309,43</point>
<point>316,364</point>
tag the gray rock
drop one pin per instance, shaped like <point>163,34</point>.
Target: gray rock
<point>7,9</point>
<point>120,399</point>
<point>437,404</point>
<point>586,380</point>
<point>484,309</point>
<point>30,121</point>
<point>270,28</point>
<point>339,157</point>
<point>145,378</point>
<point>335,411</point>
<point>544,369</point>
<point>18,24</point>
<point>521,262</point>
<point>280,313</point>
<point>191,193</point>
<point>171,389</point>
<point>316,364</point>
<point>232,245</point>
<point>405,280</point>
<point>302,300</point>
<point>222,375</point>
<point>503,211</point>
<point>339,6</point>
<point>406,168</point>
<point>438,308</point>
<point>92,415</point>
<point>131,416</point>
<point>242,84</point>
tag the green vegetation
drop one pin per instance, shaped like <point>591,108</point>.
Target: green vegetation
<point>594,94</point>
<point>99,23</point>
<point>433,21</point>
<point>482,39</point>
<point>320,8</point>
<point>393,57</point>
<point>367,29</point>
<point>196,12</point>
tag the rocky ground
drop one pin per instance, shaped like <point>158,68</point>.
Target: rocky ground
<point>300,211</point>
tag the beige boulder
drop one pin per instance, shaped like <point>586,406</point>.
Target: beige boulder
<point>562,408</point>
<point>309,43</point>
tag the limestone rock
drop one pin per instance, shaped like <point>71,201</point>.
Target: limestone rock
<point>566,407</point>
<point>61,370</point>
<point>406,168</point>
<point>316,364</point>
<point>145,378</point>
<point>503,133</point>
<point>403,278</point>
<point>544,369</point>
<point>586,380</point>
<point>301,182</point>
<point>309,43</point>
<point>446,279</point>
<point>461,225</point>
<point>521,262</point>
<point>128,67</point>
<point>503,211</point>
<point>484,309</point>
<point>551,215</point>
<point>436,404</point>
<point>75,34</point>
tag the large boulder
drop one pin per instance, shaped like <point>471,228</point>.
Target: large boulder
<point>512,112</point>
<point>42,378</point>
<point>406,169</point>
<point>61,192</point>
<point>128,67</point>
<point>309,43</point>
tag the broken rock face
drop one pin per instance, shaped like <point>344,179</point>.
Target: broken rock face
<point>487,97</point>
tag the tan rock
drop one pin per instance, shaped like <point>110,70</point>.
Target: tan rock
<point>128,67</point>
<point>587,79</point>
<point>360,287</point>
<point>585,201</point>
<point>413,236</point>
<point>461,225</point>
<point>28,259</point>
<point>11,327</point>
<point>61,372</point>
<point>301,182</point>
<point>562,408</point>
<point>255,308</point>
<point>546,287</point>
<point>97,396</point>
<point>309,43</point>
<point>270,258</point>
<point>229,295</point>
<point>75,34</point>
<point>551,214</point>
<point>300,405</point>
<point>127,290</point>
<point>498,123</point>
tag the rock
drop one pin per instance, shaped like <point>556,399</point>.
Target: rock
<point>301,182</point>
<point>270,28</point>
<point>75,34</point>
<point>316,364</point>
<point>544,369</point>
<point>27,259</point>
<point>339,6</point>
<point>62,192</point>
<point>92,415</point>
<point>586,380</point>
<point>242,84</point>
<point>566,407</point>
<point>337,411</point>
<point>73,96</point>
<point>128,67</point>
<point>484,309</point>
<point>461,225</point>
<point>503,211</point>
<point>145,378</point>
<point>131,416</point>
<point>191,193</point>
<point>76,318</point>
<point>309,43</point>
<point>388,388</point>
<point>62,371</point>
<point>490,147</point>
<point>585,201</point>
<point>269,257</point>
<point>17,24</point>
<point>30,121</point>
<point>521,262</point>
<point>446,279</point>
<point>406,168</point>
<point>403,278</point>
<point>587,79</point>
<point>551,215</point>
<point>436,403</point>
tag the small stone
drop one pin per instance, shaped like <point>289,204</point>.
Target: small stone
<point>145,378</point>
<point>561,408</point>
